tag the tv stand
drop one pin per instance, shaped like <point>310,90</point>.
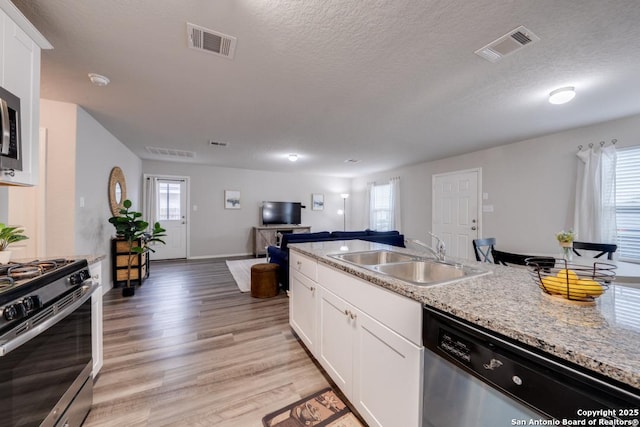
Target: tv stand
<point>267,235</point>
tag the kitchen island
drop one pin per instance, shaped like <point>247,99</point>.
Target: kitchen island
<point>602,338</point>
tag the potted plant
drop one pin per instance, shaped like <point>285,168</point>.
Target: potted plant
<point>9,235</point>
<point>130,227</point>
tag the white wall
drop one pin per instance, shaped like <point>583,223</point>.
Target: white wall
<point>60,121</point>
<point>216,231</point>
<point>531,185</point>
<point>97,152</point>
<point>4,205</point>
<point>80,155</point>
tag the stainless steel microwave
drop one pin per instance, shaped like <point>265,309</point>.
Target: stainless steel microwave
<point>11,142</point>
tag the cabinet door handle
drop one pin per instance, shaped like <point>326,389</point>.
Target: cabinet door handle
<point>6,131</point>
<point>352,315</point>
<point>312,288</point>
<point>346,312</point>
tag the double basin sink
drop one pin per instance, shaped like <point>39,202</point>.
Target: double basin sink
<point>409,268</point>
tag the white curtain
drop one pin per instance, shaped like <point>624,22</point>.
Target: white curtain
<point>150,202</point>
<point>595,209</point>
<point>396,223</point>
<point>369,204</point>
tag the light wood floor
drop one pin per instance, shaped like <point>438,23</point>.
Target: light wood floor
<point>190,350</point>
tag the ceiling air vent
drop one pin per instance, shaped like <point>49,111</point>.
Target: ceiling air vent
<point>210,41</point>
<point>507,44</point>
<point>171,152</point>
<point>218,143</point>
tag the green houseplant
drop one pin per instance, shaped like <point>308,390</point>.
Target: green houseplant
<point>130,227</point>
<point>9,235</point>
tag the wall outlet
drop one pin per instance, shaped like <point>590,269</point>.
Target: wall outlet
<point>487,208</point>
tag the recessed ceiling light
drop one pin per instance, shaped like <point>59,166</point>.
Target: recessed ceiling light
<point>562,95</point>
<point>99,80</point>
<point>351,161</point>
<point>292,157</point>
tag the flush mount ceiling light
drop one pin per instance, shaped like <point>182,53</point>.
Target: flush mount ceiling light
<point>292,157</point>
<point>562,95</point>
<point>98,79</point>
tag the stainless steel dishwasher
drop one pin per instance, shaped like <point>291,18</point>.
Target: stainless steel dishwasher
<point>476,378</point>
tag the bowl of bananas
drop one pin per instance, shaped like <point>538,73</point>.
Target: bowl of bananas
<point>565,281</point>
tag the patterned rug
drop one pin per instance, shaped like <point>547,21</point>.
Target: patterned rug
<point>322,409</point>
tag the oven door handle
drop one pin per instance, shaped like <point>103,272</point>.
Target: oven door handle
<point>6,127</point>
<point>10,344</point>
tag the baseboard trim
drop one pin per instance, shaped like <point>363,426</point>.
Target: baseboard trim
<point>220,256</point>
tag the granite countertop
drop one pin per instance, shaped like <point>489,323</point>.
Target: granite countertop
<point>604,337</point>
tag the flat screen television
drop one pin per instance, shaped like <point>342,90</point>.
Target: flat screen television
<point>281,213</point>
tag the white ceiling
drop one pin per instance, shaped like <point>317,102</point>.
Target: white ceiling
<point>388,83</point>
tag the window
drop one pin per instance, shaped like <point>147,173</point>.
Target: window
<point>628,203</point>
<point>168,201</point>
<point>381,213</point>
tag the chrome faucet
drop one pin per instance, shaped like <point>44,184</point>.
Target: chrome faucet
<point>440,248</point>
<point>439,252</point>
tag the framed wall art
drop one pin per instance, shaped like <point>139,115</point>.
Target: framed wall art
<point>231,199</point>
<point>317,202</point>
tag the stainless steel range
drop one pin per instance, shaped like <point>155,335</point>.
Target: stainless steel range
<point>45,343</point>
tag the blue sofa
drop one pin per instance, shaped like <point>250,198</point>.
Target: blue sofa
<point>280,255</point>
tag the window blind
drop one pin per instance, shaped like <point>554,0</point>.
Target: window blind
<point>628,203</point>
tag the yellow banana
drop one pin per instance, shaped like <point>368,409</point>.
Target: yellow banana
<point>577,288</point>
<point>563,274</point>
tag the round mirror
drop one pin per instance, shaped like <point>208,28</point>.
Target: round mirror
<point>118,195</point>
<point>117,190</point>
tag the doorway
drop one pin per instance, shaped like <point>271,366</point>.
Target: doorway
<point>455,216</point>
<point>166,201</point>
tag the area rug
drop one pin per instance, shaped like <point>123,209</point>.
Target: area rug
<point>321,409</point>
<point>241,272</point>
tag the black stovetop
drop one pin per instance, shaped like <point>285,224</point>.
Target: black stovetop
<point>19,279</point>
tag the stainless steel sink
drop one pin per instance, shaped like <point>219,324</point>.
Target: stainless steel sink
<point>409,268</point>
<point>374,257</point>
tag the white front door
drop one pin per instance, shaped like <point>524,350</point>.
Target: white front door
<point>455,214</point>
<point>171,213</point>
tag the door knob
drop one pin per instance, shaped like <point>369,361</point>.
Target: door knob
<point>473,228</point>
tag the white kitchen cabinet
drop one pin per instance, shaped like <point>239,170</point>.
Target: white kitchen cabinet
<point>387,373</point>
<point>302,308</point>
<point>379,371</point>
<point>96,319</point>
<point>304,265</point>
<point>303,290</point>
<point>336,332</point>
<point>368,340</point>
<point>20,74</point>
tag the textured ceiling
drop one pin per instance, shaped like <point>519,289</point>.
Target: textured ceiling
<point>388,83</point>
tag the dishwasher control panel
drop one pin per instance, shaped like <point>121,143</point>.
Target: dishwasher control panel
<point>454,346</point>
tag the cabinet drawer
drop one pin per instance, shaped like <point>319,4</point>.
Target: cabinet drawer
<point>399,313</point>
<point>303,264</point>
<point>121,275</point>
<point>123,260</point>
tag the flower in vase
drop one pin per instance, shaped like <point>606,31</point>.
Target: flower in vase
<point>565,237</point>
